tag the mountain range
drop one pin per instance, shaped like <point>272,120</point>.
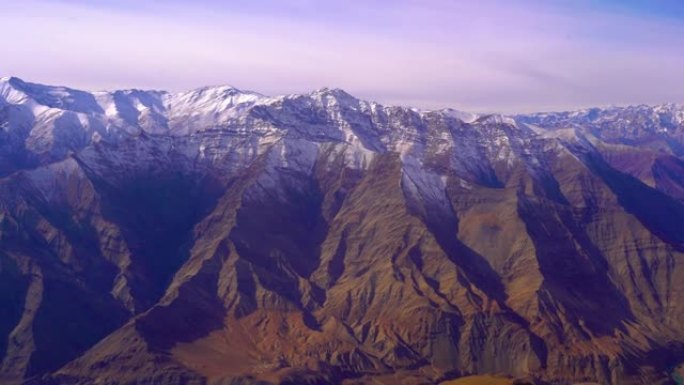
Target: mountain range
<point>224,237</point>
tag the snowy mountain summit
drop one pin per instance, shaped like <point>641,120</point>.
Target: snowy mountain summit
<point>42,123</point>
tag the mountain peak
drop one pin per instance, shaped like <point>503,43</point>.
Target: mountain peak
<point>335,92</point>
<point>466,117</point>
<point>58,97</point>
<point>221,89</point>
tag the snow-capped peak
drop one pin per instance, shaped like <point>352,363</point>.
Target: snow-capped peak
<point>17,91</point>
<point>209,99</point>
<point>466,117</point>
<point>62,119</point>
<point>9,93</point>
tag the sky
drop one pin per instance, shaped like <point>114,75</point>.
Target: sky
<point>476,55</point>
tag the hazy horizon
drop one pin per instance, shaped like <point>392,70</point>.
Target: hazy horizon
<point>517,56</point>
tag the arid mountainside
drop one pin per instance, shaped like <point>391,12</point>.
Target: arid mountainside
<point>224,237</point>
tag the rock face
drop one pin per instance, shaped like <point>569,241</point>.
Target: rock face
<point>224,237</point>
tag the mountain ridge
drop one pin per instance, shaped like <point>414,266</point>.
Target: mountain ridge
<point>215,237</point>
<point>339,92</point>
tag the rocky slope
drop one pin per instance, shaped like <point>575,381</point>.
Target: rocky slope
<point>224,237</point>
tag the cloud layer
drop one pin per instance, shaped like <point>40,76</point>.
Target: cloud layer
<point>517,55</point>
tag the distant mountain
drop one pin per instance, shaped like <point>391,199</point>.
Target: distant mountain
<point>219,236</point>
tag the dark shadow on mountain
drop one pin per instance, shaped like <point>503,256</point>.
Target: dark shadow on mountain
<point>70,320</point>
<point>575,273</point>
<point>13,288</point>
<point>668,173</point>
<point>195,312</point>
<point>657,211</point>
<point>280,232</point>
<point>156,213</point>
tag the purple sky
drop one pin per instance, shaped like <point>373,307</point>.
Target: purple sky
<point>484,55</point>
